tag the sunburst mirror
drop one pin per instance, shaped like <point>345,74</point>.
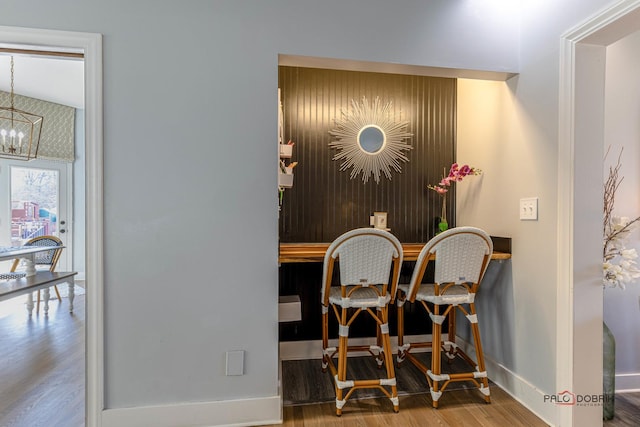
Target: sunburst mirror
<point>369,140</point>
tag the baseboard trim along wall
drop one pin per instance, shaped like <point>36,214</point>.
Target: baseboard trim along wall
<point>223,413</point>
<point>519,388</point>
<point>626,383</point>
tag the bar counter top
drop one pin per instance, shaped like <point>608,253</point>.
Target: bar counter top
<point>314,252</point>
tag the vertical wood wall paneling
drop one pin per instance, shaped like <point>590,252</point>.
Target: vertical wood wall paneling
<point>324,202</point>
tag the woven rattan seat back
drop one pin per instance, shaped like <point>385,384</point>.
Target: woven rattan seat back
<point>365,256</point>
<point>461,256</point>
<point>48,258</point>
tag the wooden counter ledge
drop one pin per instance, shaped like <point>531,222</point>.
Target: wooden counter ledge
<point>314,252</point>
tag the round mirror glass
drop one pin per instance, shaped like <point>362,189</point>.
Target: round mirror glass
<point>371,139</point>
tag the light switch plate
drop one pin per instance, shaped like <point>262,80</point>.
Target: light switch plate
<point>529,209</point>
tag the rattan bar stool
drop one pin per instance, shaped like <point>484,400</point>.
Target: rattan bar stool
<point>367,258</point>
<point>462,255</point>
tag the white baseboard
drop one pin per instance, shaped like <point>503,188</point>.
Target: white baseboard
<point>519,388</point>
<point>626,383</point>
<point>224,413</point>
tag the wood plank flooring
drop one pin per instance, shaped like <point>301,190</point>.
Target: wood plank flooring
<point>626,412</point>
<point>318,386</point>
<point>42,365</point>
<point>42,384</point>
<point>458,408</point>
<point>460,405</point>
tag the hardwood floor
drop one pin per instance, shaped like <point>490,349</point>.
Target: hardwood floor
<point>461,404</point>
<point>42,365</point>
<point>42,384</point>
<point>627,411</point>
<point>458,408</point>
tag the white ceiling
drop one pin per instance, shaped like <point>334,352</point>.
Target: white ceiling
<point>58,80</point>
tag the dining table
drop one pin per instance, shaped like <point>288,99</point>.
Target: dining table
<point>33,280</point>
<point>26,253</point>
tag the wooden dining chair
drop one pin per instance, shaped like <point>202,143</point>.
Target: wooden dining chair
<point>46,259</point>
<point>462,255</point>
<point>366,259</point>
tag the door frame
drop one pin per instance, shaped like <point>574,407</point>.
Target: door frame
<point>579,240</point>
<point>91,45</point>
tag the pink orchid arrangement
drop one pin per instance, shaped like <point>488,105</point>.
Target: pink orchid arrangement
<point>456,174</point>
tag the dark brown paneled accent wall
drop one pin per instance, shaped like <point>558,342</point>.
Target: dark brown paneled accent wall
<point>324,202</point>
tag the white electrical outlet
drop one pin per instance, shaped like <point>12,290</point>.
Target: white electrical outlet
<point>529,209</point>
<point>235,362</point>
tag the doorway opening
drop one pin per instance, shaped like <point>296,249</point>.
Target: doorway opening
<point>581,147</point>
<point>89,45</point>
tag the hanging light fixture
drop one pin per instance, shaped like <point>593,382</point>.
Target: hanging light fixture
<point>19,131</point>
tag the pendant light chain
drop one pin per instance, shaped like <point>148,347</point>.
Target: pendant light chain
<point>19,130</point>
<point>11,95</point>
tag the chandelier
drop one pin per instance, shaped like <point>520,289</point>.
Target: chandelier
<point>19,131</point>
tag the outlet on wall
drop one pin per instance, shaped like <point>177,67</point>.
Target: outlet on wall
<point>235,362</point>
<point>529,209</point>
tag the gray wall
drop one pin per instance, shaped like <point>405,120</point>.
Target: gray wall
<point>190,183</point>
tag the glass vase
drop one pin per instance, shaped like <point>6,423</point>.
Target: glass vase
<point>609,372</point>
<point>443,225</point>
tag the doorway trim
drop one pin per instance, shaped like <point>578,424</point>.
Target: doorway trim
<point>91,45</point>
<point>579,239</point>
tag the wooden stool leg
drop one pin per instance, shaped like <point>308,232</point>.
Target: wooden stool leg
<point>343,348</point>
<point>380,358</point>
<point>451,334</point>
<point>325,337</point>
<point>435,354</point>
<point>388,358</point>
<point>479,352</point>
<point>55,288</point>
<point>400,316</point>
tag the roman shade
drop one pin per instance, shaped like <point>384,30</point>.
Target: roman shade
<point>58,133</point>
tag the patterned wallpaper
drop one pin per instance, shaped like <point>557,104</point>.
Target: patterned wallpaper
<point>57,139</point>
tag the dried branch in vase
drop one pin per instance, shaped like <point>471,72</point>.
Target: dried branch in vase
<point>619,265</point>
